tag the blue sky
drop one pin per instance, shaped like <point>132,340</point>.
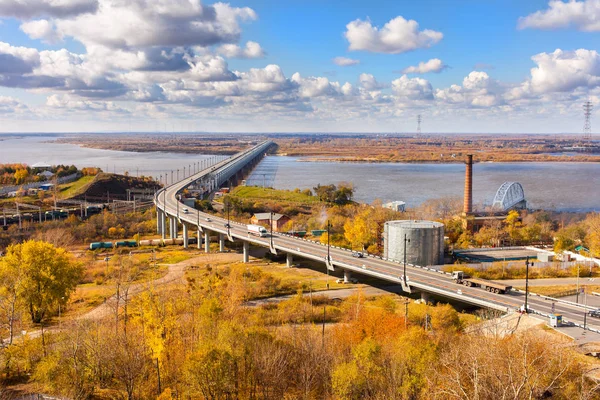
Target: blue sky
<point>100,65</point>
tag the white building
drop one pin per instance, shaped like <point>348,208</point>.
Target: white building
<point>396,206</point>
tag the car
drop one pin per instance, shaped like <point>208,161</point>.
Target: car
<point>207,219</point>
<point>227,226</point>
<point>186,211</point>
<point>595,313</point>
<point>357,254</point>
<point>351,280</point>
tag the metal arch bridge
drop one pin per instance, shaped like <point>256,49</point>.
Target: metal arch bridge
<point>425,280</point>
<point>509,195</point>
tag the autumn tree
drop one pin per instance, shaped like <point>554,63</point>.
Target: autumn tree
<point>48,276</point>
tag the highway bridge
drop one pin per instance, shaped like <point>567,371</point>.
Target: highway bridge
<point>428,282</point>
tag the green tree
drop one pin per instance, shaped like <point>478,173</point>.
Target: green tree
<point>48,276</point>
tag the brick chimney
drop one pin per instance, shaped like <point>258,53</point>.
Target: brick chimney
<point>468,202</point>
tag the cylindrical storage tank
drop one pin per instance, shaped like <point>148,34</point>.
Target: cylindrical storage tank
<point>426,246</point>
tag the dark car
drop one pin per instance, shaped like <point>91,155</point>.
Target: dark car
<point>595,313</point>
<point>357,254</point>
<point>227,226</point>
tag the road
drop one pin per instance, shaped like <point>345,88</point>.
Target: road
<point>419,279</point>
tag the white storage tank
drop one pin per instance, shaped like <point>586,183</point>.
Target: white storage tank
<point>426,246</point>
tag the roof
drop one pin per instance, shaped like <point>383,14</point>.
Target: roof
<point>47,174</point>
<point>41,165</point>
<point>414,224</point>
<point>267,216</point>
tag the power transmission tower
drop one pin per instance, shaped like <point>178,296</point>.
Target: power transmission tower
<point>587,124</point>
<point>419,125</point>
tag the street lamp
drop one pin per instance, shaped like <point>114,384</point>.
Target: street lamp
<point>405,242</point>
<point>577,294</point>
<point>527,264</point>
<point>328,246</point>
<point>271,219</point>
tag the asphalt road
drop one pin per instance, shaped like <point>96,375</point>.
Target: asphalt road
<point>430,281</point>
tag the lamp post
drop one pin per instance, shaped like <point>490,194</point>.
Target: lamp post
<point>271,219</point>
<point>527,264</point>
<point>577,294</point>
<point>328,245</point>
<point>405,242</point>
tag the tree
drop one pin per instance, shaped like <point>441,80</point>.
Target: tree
<point>20,175</point>
<point>48,275</point>
<point>11,279</point>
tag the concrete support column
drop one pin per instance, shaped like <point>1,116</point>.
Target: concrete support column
<point>185,236</point>
<point>347,276</point>
<point>172,227</point>
<point>246,253</point>
<point>425,298</point>
<point>289,259</point>
<point>199,239</point>
<point>221,242</point>
<point>163,224</point>
<point>158,224</point>
<point>206,242</point>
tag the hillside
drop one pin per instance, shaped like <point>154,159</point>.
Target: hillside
<point>115,186</point>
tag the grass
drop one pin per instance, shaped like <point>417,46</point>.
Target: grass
<point>254,192</point>
<point>68,190</point>
<point>558,290</point>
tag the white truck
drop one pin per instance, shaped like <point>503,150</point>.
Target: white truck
<point>257,230</point>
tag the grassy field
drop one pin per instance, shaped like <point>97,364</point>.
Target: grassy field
<point>254,192</point>
<point>68,190</point>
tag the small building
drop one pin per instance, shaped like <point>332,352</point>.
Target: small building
<point>279,220</point>
<point>395,205</point>
<point>41,165</point>
<point>32,191</point>
<point>47,186</point>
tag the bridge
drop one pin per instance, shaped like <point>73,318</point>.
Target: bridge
<point>426,281</point>
<point>510,195</point>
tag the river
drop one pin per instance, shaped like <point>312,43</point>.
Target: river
<point>547,185</point>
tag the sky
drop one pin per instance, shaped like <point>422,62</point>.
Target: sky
<point>468,66</point>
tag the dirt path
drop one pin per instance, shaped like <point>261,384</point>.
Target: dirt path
<point>174,273</point>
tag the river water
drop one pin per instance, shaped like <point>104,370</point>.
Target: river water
<point>548,185</point>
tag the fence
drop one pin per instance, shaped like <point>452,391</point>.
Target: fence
<point>26,186</point>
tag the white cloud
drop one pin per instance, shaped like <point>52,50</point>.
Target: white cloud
<point>252,50</point>
<point>26,9</point>
<point>396,36</point>
<point>412,88</point>
<point>584,15</point>
<point>41,29</point>
<point>144,23</point>
<point>17,60</point>
<point>477,90</point>
<point>562,71</point>
<point>345,61</point>
<point>433,65</point>
<point>368,82</point>
<point>10,105</point>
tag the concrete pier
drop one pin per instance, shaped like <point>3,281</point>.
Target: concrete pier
<point>206,242</point>
<point>199,239</point>
<point>347,276</point>
<point>289,259</point>
<point>246,254</point>
<point>221,242</point>
<point>185,236</point>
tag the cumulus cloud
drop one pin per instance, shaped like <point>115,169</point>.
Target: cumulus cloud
<point>477,90</point>
<point>143,23</point>
<point>26,9</point>
<point>562,71</point>
<point>397,36</point>
<point>584,15</point>
<point>41,29</point>
<point>433,65</point>
<point>252,50</point>
<point>368,82</point>
<point>17,60</point>
<point>345,61</point>
<point>412,88</point>
<point>10,105</point>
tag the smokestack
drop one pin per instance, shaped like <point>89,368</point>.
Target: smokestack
<point>468,204</point>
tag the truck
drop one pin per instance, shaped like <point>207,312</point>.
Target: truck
<point>494,287</point>
<point>257,230</point>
